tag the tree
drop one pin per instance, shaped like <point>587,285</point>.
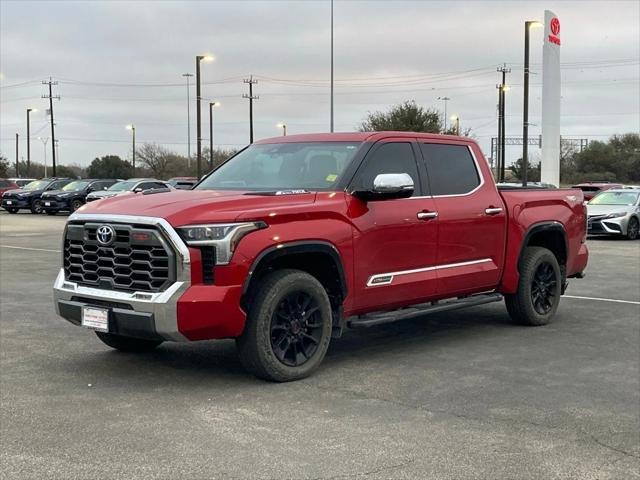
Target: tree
<point>157,159</point>
<point>109,166</point>
<point>4,166</point>
<point>533,172</point>
<point>404,117</point>
<point>617,160</point>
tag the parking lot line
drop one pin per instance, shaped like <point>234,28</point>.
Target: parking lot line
<point>602,299</point>
<point>29,248</point>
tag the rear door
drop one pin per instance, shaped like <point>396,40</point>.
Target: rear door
<point>471,218</point>
<point>394,239</point>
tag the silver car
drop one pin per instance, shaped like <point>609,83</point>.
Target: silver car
<point>615,212</point>
<point>131,185</point>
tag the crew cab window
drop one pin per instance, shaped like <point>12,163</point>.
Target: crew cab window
<point>4,183</point>
<point>58,185</point>
<point>451,168</point>
<point>388,158</point>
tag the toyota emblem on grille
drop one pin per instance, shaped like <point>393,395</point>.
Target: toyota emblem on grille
<point>105,235</point>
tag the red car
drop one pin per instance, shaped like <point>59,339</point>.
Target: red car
<point>591,189</point>
<point>6,184</point>
<point>296,238</point>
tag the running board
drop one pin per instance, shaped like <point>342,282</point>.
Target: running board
<point>373,319</point>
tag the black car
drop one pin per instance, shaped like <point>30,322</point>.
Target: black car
<point>28,197</point>
<point>73,195</point>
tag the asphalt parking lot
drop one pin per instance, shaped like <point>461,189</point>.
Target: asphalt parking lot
<point>459,395</point>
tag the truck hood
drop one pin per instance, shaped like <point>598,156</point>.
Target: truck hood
<point>183,207</point>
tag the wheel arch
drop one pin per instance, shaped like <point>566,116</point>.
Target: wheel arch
<point>318,258</point>
<point>550,235</point>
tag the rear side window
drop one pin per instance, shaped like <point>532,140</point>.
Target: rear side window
<point>451,169</point>
<point>388,158</point>
<point>4,183</point>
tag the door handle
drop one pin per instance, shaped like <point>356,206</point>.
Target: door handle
<point>493,210</point>
<point>427,215</point>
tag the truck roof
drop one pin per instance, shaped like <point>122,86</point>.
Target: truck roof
<point>357,137</point>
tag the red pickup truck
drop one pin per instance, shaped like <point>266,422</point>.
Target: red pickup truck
<point>296,238</point>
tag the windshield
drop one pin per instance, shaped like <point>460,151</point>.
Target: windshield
<point>37,185</point>
<point>75,186</point>
<point>283,166</point>
<point>615,198</point>
<point>121,186</point>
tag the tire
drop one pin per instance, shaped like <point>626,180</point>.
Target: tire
<point>288,327</point>
<point>36,207</point>
<point>127,344</point>
<point>539,288</point>
<point>633,229</point>
<point>75,205</point>
<point>52,212</point>
<point>12,210</point>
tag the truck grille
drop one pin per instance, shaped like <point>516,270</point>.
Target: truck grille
<point>137,259</point>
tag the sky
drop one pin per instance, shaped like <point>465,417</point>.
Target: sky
<point>121,62</point>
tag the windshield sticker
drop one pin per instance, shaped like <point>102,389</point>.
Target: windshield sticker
<point>331,177</point>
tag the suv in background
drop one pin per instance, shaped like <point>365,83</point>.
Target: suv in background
<point>21,182</point>
<point>73,195</point>
<point>182,183</point>
<point>7,184</point>
<point>591,189</point>
<point>131,185</point>
<point>29,197</point>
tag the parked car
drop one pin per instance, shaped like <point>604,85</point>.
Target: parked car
<point>21,182</point>
<point>183,183</point>
<point>127,186</point>
<point>591,189</point>
<point>296,238</point>
<point>7,184</point>
<point>73,195</point>
<point>29,197</point>
<point>615,212</point>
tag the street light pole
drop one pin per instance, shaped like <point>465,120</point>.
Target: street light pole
<point>331,126</point>
<point>133,147</point>
<point>284,129</point>
<point>199,58</point>
<point>29,110</point>
<point>445,100</point>
<point>188,75</point>
<point>456,119</point>
<point>525,109</point>
<point>17,144</point>
<point>211,106</point>
<point>44,144</point>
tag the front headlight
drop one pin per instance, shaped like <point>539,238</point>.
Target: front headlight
<point>223,236</point>
<point>616,215</point>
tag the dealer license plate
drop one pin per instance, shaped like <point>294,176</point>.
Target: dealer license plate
<point>95,318</point>
<point>9,202</point>
<point>47,204</point>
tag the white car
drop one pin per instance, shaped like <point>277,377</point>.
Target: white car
<point>131,185</point>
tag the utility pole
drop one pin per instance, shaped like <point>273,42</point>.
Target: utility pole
<point>445,100</point>
<point>57,144</point>
<point>499,168</point>
<point>53,135</point>
<point>188,75</point>
<point>331,120</point>
<point>17,143</point>
<point>251,98</point>
<point>501,119</point>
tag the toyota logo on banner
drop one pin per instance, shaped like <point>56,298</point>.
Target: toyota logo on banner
<point>105,235</point>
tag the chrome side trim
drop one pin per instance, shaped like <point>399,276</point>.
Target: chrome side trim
<point>387,278</point>
<point>163,305</point>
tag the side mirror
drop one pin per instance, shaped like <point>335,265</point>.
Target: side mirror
<point>388,186</point>
<point>137,190</point>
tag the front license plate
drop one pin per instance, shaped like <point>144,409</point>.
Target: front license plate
<point>9,202</point>
<point>95,318</point>
<point>47,204</point>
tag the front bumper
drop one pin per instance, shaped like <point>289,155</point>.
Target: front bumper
<point>607,226</point>
<point>54,204</point>
<point>15,203</point>
<point>182,312</point>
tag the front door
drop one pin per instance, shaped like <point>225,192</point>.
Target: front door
<point>394,239</point>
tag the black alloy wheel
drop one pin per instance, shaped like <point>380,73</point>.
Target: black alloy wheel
<point>36,207</point>
<point>543,288</point>
<point>296,329</point>
<point>75,205</point>
<point>633,229</point>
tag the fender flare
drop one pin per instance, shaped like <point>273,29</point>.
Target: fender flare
<point>294,248</point>
<point>544,226</point>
